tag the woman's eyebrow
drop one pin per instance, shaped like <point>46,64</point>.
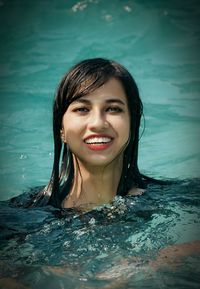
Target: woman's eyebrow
<point>116,100</point>
<point>82,100</point>
<point>110,100</point>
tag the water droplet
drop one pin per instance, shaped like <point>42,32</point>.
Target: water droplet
<point>22,157</point>
<point>127,8</point>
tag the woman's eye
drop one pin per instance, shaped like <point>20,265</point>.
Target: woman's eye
<point>114,109</point>
<point>81,109</point>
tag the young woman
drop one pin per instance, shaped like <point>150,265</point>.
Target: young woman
<point>96,120</point>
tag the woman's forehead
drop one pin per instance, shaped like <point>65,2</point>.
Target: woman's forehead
<point>112,89</point>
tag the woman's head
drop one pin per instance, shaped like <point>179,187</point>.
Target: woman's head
<point>96,128</point>
<point>81,80</point>
<point>88,75</point>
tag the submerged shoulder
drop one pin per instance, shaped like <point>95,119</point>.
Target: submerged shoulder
<point>136,192</point>
<point>26,199</point>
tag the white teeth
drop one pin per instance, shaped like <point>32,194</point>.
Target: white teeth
<point>98,140</point>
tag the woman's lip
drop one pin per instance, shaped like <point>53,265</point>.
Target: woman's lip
<point>98,146</point>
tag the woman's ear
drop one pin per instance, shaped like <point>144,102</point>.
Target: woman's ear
<point>62,135</point>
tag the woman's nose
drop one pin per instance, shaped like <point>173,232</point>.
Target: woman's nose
<point>97,121</point>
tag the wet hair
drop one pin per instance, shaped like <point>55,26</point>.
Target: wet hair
<point>80,80</point>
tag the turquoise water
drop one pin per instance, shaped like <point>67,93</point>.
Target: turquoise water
<point>158,41</point>
<point>115,246</point>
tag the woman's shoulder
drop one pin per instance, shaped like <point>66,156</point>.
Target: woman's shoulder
<point>136,191</point>
<point>25,199</point>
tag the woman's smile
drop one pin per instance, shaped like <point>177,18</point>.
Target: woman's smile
<point>98,142</point>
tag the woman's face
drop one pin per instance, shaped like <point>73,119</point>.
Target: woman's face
<point>96,126</point>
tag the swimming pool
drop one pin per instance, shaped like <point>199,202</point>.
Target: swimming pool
<point>158,42</point>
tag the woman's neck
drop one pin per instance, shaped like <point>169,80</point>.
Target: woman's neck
<point>94,185</point>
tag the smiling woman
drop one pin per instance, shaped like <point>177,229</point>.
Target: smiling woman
<point>96,121</point>
<point>96,128</point>
<point>97,112</point>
